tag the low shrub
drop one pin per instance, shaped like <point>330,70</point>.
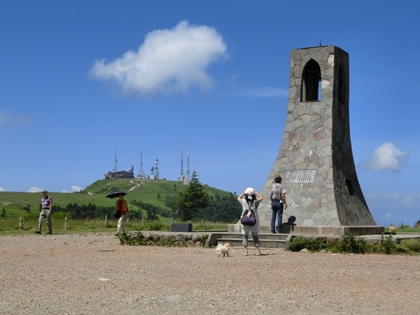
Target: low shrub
<point>313,245</point>
<point>353,244</point>
<point>139,239</point>
<point>203,239</point>
<point>387,245</point>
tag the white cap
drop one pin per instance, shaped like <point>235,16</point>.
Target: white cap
<point>249,191</point>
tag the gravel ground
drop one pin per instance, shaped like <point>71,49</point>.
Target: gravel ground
<point>94,274</point>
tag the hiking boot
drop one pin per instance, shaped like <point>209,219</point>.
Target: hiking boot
<point>49,233</point>
<point>38,232</point>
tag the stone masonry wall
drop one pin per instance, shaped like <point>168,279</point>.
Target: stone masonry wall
<point>315,157</point>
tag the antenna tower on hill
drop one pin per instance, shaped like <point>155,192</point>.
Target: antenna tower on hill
<point>187,170</point>
<point>115,161</point>
<point>141,171</point>
<point>182,175</point>
<point>157,169</point>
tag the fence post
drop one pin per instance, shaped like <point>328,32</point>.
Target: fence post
<point>65,223</point>
<point>106,219</point>
<point>172,221</point>
<point>20,222</point>
<point>142,220</point>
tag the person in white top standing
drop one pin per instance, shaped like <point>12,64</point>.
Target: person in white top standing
<point>278,203</point>
<point>250,199</point>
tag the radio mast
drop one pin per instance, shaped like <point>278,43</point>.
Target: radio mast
<point>181,175</point>
<point>141,172</point>
<point>115,162</point>
<point>187,170</point>
<point>157,169</point>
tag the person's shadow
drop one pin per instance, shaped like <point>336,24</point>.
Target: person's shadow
<point>291,220</point>
<point>289,225</point>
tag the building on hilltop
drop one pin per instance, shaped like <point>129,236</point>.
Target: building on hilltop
<point>120,174</point>
<point>184,178</point>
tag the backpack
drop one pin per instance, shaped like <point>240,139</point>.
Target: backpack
<point>249,218</point>
<point>276,194</point>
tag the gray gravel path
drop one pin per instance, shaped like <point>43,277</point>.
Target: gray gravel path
<point>94,274</point>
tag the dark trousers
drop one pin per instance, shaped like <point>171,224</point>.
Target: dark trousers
<point>277,211</point>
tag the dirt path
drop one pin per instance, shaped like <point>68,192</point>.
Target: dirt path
<point>94,274</point>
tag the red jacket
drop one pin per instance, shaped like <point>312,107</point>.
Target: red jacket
<point>122,206</point>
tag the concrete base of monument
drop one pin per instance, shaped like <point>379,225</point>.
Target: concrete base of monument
<point>317,230</point>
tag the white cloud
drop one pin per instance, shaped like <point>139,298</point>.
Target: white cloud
<point>7,118</point>
<point>169,60</point>
<point>2,189</point>
<point>390,196</point>
<point>76,188</point>
<point>386,157</point>
<point>387,215</point>
<point>35,190</point>
<point>407,201</point>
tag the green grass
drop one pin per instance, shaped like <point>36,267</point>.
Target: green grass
<point>10,226</point>
<point>152,192</point>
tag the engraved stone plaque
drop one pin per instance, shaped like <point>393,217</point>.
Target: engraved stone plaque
<point>300,176</point>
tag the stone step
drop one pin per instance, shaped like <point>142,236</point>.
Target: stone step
<point>269,240</point>
<point>269,236</point>
<point>237,242</point>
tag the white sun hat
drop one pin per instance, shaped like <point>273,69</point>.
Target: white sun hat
<point>249,191</point>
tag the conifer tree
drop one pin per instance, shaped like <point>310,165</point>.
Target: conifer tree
<point>192,200</point>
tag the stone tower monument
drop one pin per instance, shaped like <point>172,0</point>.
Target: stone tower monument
<point>315,157</point>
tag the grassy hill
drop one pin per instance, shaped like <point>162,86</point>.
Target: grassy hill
<point>148,191</point>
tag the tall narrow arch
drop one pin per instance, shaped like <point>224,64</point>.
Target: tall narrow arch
<point>311,78</point>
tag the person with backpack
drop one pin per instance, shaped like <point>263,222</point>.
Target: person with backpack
<point>278,202</point>
<point>250,200</point>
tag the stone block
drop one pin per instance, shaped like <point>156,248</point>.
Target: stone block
<point>181,227</point>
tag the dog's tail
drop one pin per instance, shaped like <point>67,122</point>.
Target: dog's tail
<point>219,248</point>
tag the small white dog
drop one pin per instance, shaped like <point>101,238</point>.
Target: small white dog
<point>223,249</point>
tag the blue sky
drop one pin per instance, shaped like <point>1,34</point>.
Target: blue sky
<point>81,79</point>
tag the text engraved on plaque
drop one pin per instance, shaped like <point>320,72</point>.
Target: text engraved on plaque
<point>300,176</point>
